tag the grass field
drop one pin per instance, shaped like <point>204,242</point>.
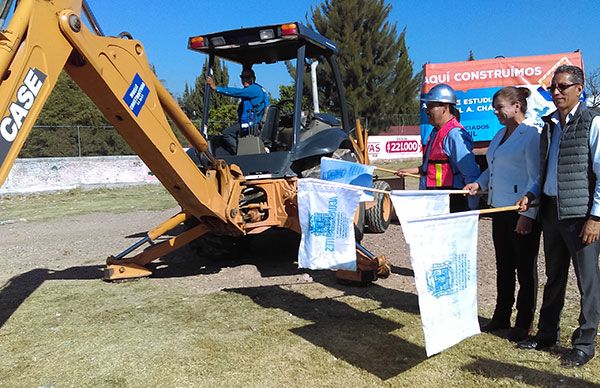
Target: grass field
<point>69,329</point>
<point>151,333</point>
<point>48,206</point>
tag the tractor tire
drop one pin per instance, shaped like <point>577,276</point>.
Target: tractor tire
<point>379,216</point>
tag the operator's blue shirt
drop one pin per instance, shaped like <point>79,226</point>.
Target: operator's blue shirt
<point>253,102</point>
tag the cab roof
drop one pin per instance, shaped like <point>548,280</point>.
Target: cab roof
<point>266,44</point>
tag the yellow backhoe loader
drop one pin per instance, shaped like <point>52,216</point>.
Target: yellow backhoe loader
<point>226,195</point>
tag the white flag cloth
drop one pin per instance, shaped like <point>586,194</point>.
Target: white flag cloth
<point>326,213</point>
<point>343,171</point>
<point>443,252</point>
<point>412,204</point>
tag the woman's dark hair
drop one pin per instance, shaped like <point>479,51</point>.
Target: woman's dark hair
<point>513,95</point>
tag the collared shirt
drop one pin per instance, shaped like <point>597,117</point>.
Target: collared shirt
<point>513,166</point>
<point>550,184</point>
<point>251,96</point>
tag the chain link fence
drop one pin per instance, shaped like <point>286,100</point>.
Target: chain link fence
<point>82,140</point>
<point>104,140</point>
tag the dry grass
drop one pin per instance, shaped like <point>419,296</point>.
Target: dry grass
<point>72,330</point>
<point>157,333</point>
<point>47,206</point>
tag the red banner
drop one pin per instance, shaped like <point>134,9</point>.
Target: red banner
<point>498,72</point>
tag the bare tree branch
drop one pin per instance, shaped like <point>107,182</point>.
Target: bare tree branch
<point>592,86</point>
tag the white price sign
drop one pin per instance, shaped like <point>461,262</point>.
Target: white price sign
<point>395,147</point>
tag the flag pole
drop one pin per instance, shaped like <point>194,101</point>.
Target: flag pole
<point>499,209</point>
<point>362,188</point>
<point>349,186</point>
<point>401,173</point>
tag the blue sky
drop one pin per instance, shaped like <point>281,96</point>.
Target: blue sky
<point>437,30</point>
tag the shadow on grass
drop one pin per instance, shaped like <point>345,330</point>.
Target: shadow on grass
<point>493,369</point>
<point>20,287</point>
<point>360,338</point>
<point>273,253</point>
<point>403,271</point>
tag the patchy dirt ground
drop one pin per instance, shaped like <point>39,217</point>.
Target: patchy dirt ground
<point>76,248</point>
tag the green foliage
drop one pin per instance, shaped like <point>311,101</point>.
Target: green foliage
<point>286,98</point>
<point>223,110</point>
<point>67,112</point>
<point>221,117</point>
<point>192,100</point>
<point>69,105</point>
<point>471,56</point>
<point>287,94</point>
<point>374,63</point>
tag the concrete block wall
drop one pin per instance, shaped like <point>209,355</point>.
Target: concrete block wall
<point>52,174</point>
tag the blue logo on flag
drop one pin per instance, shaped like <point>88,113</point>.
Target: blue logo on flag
<point>136,95</point>
<point>343,171</point>
<point>448,277</point>
<point>331,225</point>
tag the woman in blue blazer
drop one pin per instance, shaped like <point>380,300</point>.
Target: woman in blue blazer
<point>513,170</point>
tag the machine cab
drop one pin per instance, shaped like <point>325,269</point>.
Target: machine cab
<point>289,138</point>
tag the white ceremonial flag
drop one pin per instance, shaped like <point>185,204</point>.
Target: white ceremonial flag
<point>443,252</point>
<point>326,213</point>
<point>412,204</point>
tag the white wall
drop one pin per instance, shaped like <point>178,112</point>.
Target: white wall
<point>50,174</point>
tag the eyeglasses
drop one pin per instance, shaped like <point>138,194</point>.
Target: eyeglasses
<point>561,87</point>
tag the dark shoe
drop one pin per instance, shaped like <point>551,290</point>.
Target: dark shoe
<point>494,326</point>
<point>575,358</point>
<point>535,343</point>
<point>518,334</point>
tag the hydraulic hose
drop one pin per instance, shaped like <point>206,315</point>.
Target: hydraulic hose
<point>5,7</point>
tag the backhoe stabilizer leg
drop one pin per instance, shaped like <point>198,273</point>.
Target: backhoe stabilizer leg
<point>154,233</point>
<point>368,268</point>
<point>125,271</point>
<point>134,267</point>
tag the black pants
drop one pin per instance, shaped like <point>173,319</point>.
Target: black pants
<point>515,253</point>
<point>561,243</point>
<point>230,138</point>
<point>458,203</point>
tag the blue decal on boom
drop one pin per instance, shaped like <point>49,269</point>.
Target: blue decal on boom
<point>136,95</point>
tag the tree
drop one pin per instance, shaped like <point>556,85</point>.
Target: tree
<point>67,114</point>
<point>223,109</point>
<point>374,64</point>
<point>592,85</point>
<point>69,105</point>
<point>471,56</point>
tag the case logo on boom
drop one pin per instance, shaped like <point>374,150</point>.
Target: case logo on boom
<point>19,109</point>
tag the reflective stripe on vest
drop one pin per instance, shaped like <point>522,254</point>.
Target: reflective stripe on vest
<point>439,172</point>
<point>438,175</point>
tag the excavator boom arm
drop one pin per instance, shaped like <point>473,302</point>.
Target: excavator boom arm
<point>43,38</point>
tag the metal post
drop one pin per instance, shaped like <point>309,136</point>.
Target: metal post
<point>78,141</point>
<point>315,91</point>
